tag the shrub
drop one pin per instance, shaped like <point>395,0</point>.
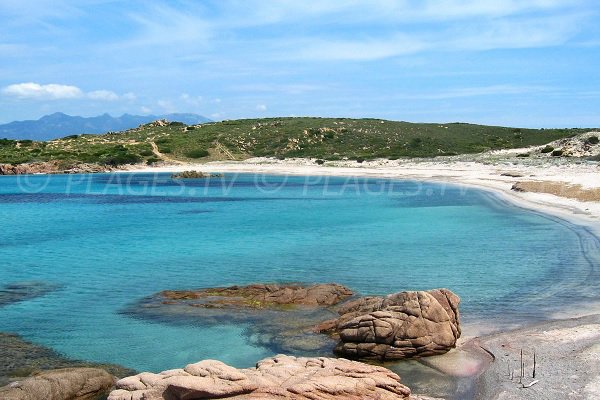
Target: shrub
<point>320,162</point>
<point>165,150</point>
<point>176,123</point>
<point>557,153</point>
<point>146,153</point>
<point>523,155</point>
<point>592,140</point>
<point>547,149</point>
<point>196,153</point>
<point>360,160</point>
<point>121,158</point>
<point>416,142</point>
<point>152,160</point>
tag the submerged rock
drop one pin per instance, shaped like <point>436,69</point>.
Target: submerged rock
<point>20,359</point>
<point>262,296</point>
<point>280,377</point>
<point>279,317</point>
<point>61,384</point>
<point>401,325</point>
<point>21,291</point>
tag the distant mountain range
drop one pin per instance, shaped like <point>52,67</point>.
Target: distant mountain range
<point>59,125</point>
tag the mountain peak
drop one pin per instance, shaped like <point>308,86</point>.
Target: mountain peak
<point>59,124</point>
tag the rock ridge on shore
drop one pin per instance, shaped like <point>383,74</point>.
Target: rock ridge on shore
<point>276,378</point>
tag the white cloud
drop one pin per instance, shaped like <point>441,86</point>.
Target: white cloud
<point>129,96</point>
<point>145,110</point>
<point>492,90</point>
<point>32,90</point>
<point>194,101</point>
<point>105,95</point>
<point>54,91</point>
<point>167,105</point>
<point>361,50</point>
<point>261,107</point>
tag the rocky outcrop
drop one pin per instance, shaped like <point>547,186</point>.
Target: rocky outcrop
<point>280,317</point>
<point>52,167</point>
<point>60,384</point>
<point>401,325</point>
<point>194,175</point>
<point>261,296</point>
<point>277,378</point>
<point>20,359</point>
<point>289,318</point>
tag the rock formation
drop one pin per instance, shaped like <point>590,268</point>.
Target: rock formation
<point>283,318</point>
<point>20,359</point>
<point>53,167</point>
<point>280,377</point>
<point>401,325</point>
<point>262,296</point>
<point>194,175</point>
<point>60,384</point>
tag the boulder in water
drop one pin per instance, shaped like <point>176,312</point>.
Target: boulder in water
<point>401,325</point>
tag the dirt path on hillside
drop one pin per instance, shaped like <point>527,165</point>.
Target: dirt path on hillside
<point>160,155</point>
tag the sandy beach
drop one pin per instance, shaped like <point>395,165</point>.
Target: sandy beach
<point>566,348</point>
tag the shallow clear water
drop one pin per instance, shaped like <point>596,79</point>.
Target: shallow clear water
<point>109,240</point>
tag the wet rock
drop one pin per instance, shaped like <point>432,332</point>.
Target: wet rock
<point>397,326</point>
<point>60,384</point>
<point>19,359</point>
<point>280,377</point>
<point>194,175</point>
<point>22,291</point>
<point>262,296</point>
<point>279,317</point>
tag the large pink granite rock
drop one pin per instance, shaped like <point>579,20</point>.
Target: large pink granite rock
<point>401,325</point>
<point>280,377</point>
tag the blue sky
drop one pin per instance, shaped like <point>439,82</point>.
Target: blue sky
<point>529,63</point>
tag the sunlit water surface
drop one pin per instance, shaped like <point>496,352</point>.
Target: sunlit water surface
<point>109,240</point>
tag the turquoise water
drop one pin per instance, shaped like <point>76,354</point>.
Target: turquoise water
<point>109,240</point>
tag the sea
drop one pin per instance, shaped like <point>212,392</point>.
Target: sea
<point>105,241</point>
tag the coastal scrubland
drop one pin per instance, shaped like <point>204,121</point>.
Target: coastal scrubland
<point>321,138</point>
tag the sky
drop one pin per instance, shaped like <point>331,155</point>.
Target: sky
<point>526,63</point>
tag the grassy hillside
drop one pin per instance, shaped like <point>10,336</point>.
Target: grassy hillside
<point>326,138</point>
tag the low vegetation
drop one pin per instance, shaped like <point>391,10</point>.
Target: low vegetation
<point>321,138</point>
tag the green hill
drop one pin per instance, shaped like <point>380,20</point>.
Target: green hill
<point>325,138</point>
